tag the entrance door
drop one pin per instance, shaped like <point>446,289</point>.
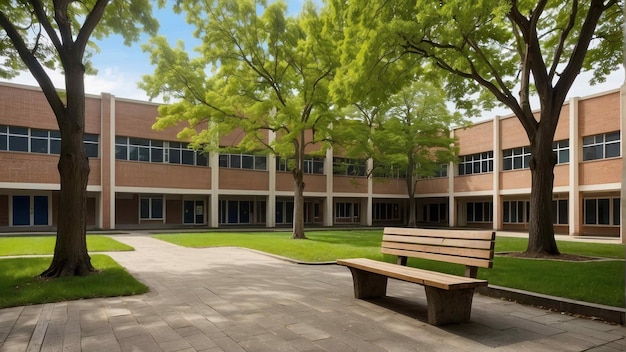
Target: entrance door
<point>193,212</point>
<point>21,210</point>
<point>24,215</point>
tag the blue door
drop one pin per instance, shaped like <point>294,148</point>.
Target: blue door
<point>189,211</point>
<point>40,208</point>
<point>21,210</point>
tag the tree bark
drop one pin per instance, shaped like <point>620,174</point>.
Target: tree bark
<point>298,206</point>
<point>541,230</point>
<point>298,190</point>
<point>70,253</point>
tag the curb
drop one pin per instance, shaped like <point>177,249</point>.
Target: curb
<point>593,311</point>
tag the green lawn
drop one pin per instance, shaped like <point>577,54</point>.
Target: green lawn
<point>595,282</point>
<point>20,285</point>
<point>42,245</point>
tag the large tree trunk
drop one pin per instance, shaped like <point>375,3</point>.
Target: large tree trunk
<point>541,230</point>
<point>70,253</point>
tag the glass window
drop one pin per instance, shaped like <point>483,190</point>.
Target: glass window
<point>601,146</point>
<point>235,161</point>
<point>590,211</point>
<point>617,211</point>
<point>39,145</point>
<point>187,156</point>
<point>223,160</point>
<point>121,152</point>
<point>18,143</point>
<point>201,159</point>
<point>476,163</point>
<point>260,162</point>
<point>247,162</point>
<point>603,211</point>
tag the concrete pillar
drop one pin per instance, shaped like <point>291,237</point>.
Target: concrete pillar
<point>214,163</point>
<point>270,217</point>
<point>329,214</point>
<point>452,221</point>
<point>497,159</point>
<point>106,212</point>
<point>574,209</point>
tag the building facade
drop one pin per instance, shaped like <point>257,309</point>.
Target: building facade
<point>142,178</point>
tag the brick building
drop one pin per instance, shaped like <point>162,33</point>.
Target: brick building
<point>141,178</point>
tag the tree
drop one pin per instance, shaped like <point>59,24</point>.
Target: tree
<point>407,136</point>
<point>268,72</point>
<point>490,49</point>
<point>49,34</point>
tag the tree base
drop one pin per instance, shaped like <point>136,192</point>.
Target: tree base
<point>65,268</point>
<point>296,236</point>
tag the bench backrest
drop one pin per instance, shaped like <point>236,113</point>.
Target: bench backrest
<point>473,249</point>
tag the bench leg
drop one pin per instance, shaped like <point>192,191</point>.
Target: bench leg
<point>368,285</point>
<point>448,307</point>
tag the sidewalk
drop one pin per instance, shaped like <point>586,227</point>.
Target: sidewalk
<point>229,299</point>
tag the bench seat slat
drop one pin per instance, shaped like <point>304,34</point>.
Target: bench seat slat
<point>462,234</point>
<point>462,252</point>
<point>446,242</point>
<point>482,263</point>
<point>418,276</point>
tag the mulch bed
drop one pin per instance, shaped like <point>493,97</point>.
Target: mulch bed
<point>562,257</point>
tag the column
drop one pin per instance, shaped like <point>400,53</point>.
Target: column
<point>574,211</point>
<point>106,210</point>
<point>214,163</point>
<point>497,146</point>
<point>622,108</point>
<point>270,217</point>
<point>329,214</point>
<point>451,202</point>
<point>370,190</point>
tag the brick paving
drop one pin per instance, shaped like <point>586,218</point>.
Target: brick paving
<point>229,299</point>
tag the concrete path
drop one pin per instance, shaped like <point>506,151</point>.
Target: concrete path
<point>227,299</point>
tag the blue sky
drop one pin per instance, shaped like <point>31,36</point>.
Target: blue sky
<point>121,67</point>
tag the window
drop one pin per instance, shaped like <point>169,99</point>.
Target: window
<point>602,211</point>
<point>561,151</point>
<point>515,212</point>
<point>346,211</point>
<point>385,211</point>
<point>155,151</point>
<point>435,212</point>
<point>601,146</point>
<point>479,211</point>
<point>560,212</point>
<point>349,167</point>
<point>32,140</point>
<point>243,161</point>
<point>151,208</point>
<point>311,165</point>
<point>476,163</point>
<point>388,171</point>
<point>442,171</point>
<point>516,158</point>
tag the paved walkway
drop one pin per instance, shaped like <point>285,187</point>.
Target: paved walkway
<point>227,299</point>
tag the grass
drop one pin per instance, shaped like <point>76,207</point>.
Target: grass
<point>20,285</point>
<point>596,282</point>
<point>43,245</point>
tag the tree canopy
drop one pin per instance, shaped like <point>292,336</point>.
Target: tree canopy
<point>492,51</point>
<point>39,34</point>
<point>256,70</point>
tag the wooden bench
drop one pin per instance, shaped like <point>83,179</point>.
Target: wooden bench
<point>449,297</point>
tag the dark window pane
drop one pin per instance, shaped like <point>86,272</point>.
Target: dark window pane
<point>55,147</point>
<point>507,164</point>
<point>18,144</point>
<point>617,211</point>
<point>188,157</point>
<point>174,156</point>
<point>91,150</point>
<point>121,140</point>
<point>223,160</point>
<point>589,140</point>
<point>563,212</point>
<point>526,161</point>
<point>38,133</point>
<point>590,211</point>
<point>201,159</point>
<point>554,212</point>
<point>90,137</point>
<point>564,156</point>
<point>138,141</point>
<point>235,161</point>
<point>612,150</point>
<point>613,136</point>
<point>133,153</point>
<point>120,152</point>
<point>3,142</point>
<point>145,208</point>
<point>18,130</point>
<point>144,154</point>
<point>260,162</point>
<point>156,143</point>
<point>478,212</point>
<point>39,145</point>
<point>506,212</point>
<point>174,144</point>
<point>603,211</point>
<point>247,162</point>
<point>156,155</point>
<point>470,211</point>
<point>157,208</point>
<point>517,163</point>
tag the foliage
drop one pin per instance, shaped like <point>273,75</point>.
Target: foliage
<point>56,35</point>
<point>38,245</point>
<point>260,76</point>
<point>19,285</point>
<point>487,51</point>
